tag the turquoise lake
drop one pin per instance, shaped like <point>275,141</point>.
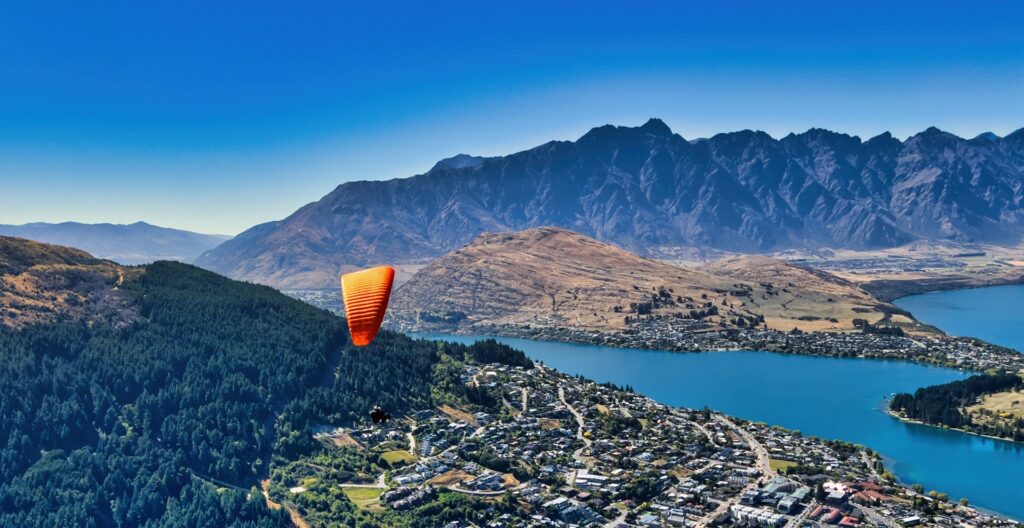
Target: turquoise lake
<point>995,314</point>
<point>827,397</point>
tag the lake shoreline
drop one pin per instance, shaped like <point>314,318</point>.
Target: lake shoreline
<point>904,419</point>
<point>847,396</point>
<point>891,290</point>
<point>961,353</point>
<point>972,464</point>
<point>988,313</point>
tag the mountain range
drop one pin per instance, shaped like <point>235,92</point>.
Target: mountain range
<point>651,191</point>
<point>129,244</point>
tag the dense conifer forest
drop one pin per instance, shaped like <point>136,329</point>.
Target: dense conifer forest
<point>130,424</point>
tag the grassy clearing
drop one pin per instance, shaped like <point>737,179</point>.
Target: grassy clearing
<point>449,478</point>
<point>456,415</point>
<point>1009,404</point>
<point>345,440</point>
<point>398,457</point>
<point>781,465</point>
<point>680,472</point>
<point>364,497</point>
<point>550,423</point>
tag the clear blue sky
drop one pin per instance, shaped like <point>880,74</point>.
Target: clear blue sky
<point>214,116</point>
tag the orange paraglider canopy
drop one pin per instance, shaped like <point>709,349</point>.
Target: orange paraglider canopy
<point>366,294</point>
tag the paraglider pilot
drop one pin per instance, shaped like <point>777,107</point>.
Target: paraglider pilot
<point>378,415</point>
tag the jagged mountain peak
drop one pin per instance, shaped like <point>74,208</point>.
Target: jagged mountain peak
<point>742,139</point>
<point>826,134</point>
<point>653,194</point>
<point>652,127</point>
<point>657,127</point>
<point>883,139</point>
<point>987,137</point>
<point>933,132</point>
<point>1015,137</point>
<point>460,161</point>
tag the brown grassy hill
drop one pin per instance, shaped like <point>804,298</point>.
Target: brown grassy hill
<point>550,276</point>
<point>42,282</point>
<point>805,298</point>
<point>554,277</point>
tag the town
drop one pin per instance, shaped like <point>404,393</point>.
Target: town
<point>655,332</point>
<point>661,333</point>
<point>557,450</point>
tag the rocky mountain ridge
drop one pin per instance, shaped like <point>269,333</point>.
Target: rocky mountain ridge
<point>651,191</point>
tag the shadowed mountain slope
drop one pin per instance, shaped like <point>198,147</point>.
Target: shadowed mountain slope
<point>652,191</point>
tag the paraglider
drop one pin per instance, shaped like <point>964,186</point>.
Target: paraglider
<point>366,294</point>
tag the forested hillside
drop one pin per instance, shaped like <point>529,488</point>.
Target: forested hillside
<point>945,404</point>
<point>126,425</point>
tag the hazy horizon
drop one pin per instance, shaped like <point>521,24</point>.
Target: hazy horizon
<point>260,111</point>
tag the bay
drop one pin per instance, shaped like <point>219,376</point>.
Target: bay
<point>995,314</point>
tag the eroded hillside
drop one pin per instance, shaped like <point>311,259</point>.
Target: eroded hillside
<point>45,283</point>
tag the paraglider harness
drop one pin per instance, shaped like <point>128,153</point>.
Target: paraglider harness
<point>378,415</point>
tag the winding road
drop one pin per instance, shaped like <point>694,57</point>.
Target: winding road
<point>577,455</point>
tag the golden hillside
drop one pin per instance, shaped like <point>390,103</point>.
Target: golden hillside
<point>555,277</point>
<point>805,298</point>
<point>43,283</point>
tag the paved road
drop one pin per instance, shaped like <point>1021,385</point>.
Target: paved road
<point>477,493</point>
<point>763,463</point>
<point>878,518</point>
<point>578,454</point>
<point>795,522</point>
<point>871,514</point>
<point>711,437</point>
<point>763,458</point>
<point>377,484</point>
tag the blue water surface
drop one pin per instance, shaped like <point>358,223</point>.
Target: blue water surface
<point>995,314</point>
<point>827,397</point>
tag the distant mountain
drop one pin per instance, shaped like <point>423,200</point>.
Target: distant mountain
<point>651,191</point>
<point>554,277</point>
<point>137,243</point>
